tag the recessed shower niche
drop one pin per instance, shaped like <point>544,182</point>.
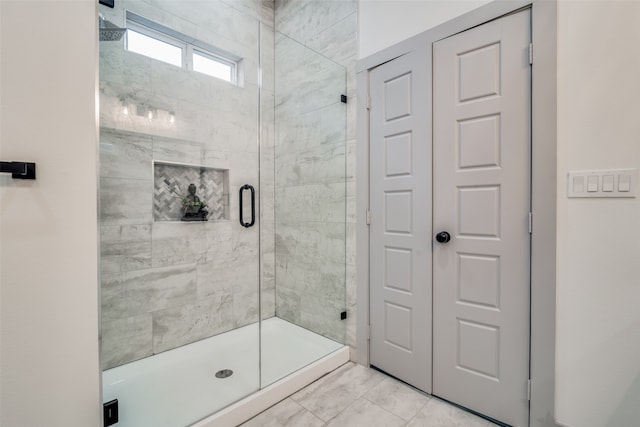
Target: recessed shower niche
<point>189,193</point>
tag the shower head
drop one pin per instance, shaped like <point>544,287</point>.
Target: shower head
<point>109,32</point>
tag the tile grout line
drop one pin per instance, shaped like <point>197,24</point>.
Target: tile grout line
<point>361,396</point>
<point>407,421</point>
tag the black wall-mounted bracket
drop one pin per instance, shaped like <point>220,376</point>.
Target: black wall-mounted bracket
<point>109,3</point>
<point>343,99</point>
<point>19,170</point>
<point>110,410</point>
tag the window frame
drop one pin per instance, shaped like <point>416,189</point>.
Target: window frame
<point>233,65</point>
<point>188,45</point>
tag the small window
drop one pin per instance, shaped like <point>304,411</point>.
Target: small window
<point>153,48</point>
<point>213,66</point>
<point>164,44</point>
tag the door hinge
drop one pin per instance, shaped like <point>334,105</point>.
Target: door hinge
<point>530,53</point>
<point>368,217</point>
<point>528,389</point>
<point>110,413</point>
<point>368,102</point>
<point>530,222</point>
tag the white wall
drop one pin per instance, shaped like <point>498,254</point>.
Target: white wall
<point>48,262</point>
<point>383,23</point>
<point>598,246</point>
<point>598,286</point>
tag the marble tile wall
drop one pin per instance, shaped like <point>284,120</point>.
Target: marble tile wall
<point>267,171</point>
<point>166,284</point>
<point>315,164</point>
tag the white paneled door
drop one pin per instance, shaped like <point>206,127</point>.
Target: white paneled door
<point>481,197</point>
<point>401,225</point>
<point>470,278</point>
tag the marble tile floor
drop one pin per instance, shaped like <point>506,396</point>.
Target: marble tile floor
<point>355,396</point>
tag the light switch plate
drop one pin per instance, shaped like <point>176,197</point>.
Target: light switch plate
<point>603,183</point>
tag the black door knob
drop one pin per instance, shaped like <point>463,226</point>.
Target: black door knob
<point>443,237</point>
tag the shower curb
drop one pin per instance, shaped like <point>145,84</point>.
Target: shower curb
<point>261,400</point>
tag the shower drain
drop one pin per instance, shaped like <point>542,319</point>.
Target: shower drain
<point>224,373</point>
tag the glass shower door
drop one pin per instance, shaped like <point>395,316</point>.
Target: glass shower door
<point>308,317</point>
<point>179,164</point>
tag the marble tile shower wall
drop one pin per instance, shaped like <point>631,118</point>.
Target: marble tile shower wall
<point>315,63</point>
<point>165,284</point>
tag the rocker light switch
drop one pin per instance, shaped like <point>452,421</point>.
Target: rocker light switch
<point>578,184</point>
<point>607,183</point>
<point>592,183</point>
<point>624,183</point>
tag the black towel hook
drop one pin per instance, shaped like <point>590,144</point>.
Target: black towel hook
<point>19,170</point>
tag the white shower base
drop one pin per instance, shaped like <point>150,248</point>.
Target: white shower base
<point>178,388</point>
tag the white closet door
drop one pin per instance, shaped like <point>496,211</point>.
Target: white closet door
<point>400,289</point>
<point>481,173</point>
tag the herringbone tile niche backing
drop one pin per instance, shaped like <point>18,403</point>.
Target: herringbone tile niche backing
<point>171,183</point>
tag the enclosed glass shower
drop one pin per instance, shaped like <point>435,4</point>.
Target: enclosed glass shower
<point>222,206</point>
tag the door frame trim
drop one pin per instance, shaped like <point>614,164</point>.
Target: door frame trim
<point>543,185</point>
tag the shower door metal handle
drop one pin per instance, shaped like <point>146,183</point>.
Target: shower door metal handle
<point>253,206</point>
